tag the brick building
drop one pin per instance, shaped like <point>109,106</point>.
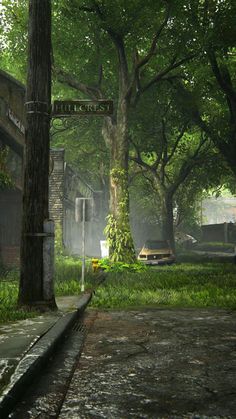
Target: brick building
<point>65,183</point>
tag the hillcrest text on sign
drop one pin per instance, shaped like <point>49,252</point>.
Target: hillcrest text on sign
<point>82,107</point>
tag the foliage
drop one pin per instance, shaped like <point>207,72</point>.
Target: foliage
<point>119,240</point>
<point>195,33</point>
<point>5,179</point>
<point>117,231</point>
<point>58,243</point>
<point>208,94</point>
<point>174,152</point>
<point>109,266</point>
<point>13,40</point>
<point>184,285</point>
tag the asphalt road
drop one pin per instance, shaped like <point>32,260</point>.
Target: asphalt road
<point>156,364</point>
<point>153,363</point>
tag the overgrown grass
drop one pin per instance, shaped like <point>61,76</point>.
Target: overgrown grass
<point>184,285</point>
<point>180,285</point>
<point>67,268</point>
<point>8,302</point>
<point>68,275</point>
<point>67,282</point>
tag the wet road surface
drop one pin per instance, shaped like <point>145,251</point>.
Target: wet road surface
<point>149,363</point>
<point>156,364</point>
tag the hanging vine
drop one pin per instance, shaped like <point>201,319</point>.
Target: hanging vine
<point>117,231</point>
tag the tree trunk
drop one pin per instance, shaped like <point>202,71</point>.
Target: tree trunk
<point>35,195</point>
<point>167,219</point>
<point>118,231</point>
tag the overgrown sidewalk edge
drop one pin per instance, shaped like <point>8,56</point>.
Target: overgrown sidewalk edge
<point>37,356</point>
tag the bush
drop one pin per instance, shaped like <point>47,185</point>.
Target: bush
<point>109,266</point>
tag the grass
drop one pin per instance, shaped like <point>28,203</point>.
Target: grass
<point>67,268</point>
<point>8,303</point>
<point>183,285</point>
<point>179,285</point>
<point>67,275</point>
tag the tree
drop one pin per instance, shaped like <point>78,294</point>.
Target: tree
<point>121,50</point>
<point>209,92</point>
<point>139,66</point>
<point>170,154</point>
<point>84,148</point>
<point>32,290</point>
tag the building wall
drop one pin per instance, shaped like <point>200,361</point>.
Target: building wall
<point>10,226</point>
<point>12,112</point>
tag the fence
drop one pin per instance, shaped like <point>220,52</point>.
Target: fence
<point>225,232</point>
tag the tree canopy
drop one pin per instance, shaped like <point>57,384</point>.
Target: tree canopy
<point>146,57</point>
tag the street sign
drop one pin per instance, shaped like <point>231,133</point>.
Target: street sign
<point>88,215</point>
<point>101,107</point>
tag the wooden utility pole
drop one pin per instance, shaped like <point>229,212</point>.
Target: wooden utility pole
<point>36,159</point>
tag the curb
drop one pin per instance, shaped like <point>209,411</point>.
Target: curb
<point>37,356</point>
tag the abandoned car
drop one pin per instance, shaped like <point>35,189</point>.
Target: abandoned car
<point>156,252</point>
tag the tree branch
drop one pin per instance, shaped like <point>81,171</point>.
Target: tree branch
<point>188,166</point>
<point>224,80</point>
<point>173,64</point>
<point>123,67</point>
<point>178,139</point>
<point>72,81</point>
<point>100,75</point>
<point>119,44</point>
<point>138,159</point>
<point>87,9</point>
<point>139,63</point>
<point>152,49</point>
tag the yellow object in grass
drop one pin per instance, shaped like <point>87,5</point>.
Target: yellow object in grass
<point>95,264</point>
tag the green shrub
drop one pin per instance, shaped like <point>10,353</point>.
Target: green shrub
<point>110,266</point>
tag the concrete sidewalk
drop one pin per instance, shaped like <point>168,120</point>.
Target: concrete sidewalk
<point>26,345</point>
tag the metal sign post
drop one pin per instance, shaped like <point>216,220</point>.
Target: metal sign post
<point>77,108</point>
<point>83,212</point>
<point>83,247</point>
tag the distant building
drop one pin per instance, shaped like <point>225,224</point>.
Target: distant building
<point>219,210</point>
<point>218,219</point>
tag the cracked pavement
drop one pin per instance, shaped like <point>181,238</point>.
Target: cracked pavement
<point>155,363</point>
